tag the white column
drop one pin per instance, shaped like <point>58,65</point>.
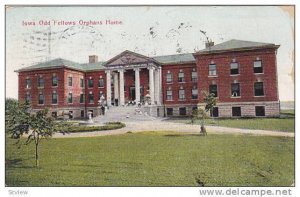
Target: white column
<point>108,87</point>
<point>151,84</point>
<point>160,86</point>
<point>116,87</point>
<point>156,86</point>
<point>137,85</point>
<point>122,98</point>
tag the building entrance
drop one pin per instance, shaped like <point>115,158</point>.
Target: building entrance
<point>132,93</point>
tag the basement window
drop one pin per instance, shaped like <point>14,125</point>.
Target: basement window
<point>236,111</point>
<point>214,112</point>
<point>169,111</point>
<point>260,110</point>
<point>182,111</point>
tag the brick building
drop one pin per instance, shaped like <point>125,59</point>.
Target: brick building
<point>241,74</point>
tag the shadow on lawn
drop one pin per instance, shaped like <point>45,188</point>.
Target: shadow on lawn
<point>15,163</point>
<point>182,135</point>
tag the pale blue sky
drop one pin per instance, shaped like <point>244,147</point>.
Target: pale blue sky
<point>26,45</point>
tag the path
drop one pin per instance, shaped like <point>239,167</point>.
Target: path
<point>158,125</point>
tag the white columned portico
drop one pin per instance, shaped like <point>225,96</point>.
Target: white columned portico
<point>156,86</point>
<point>108,87</point>
<point>116,87</point>
<point>137,85</point>
<point>151,84</point>
<point>122,98</point>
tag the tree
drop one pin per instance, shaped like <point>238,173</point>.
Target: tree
<point>16,117</point>
<point>210,101</point>
<point>38,126</point>
<point>42,126</point>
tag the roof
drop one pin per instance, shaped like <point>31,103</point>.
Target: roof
<point>93,66</point>
<point>232,45</point>
<point>59,63</point>
<point>132,58</point>
<point>179,58</point>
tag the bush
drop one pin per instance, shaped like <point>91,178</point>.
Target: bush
<point>107,126</point>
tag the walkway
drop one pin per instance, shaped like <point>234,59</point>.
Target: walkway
<point>159,125</point>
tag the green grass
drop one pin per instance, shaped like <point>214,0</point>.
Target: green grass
<point>154,159</point>
<point>286,122</point>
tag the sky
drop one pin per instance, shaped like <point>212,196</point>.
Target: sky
<point>36,34</point>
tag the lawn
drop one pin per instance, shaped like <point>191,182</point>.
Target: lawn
<point>154,159</point>
<point>286,122</point>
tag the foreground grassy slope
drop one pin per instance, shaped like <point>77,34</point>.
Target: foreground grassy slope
<point>154,159</point>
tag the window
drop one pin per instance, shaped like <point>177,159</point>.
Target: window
<point>28,83</point>
<point>235,90</point>
<point>91,97</point>
<point>257,66</point>
<point>169,78</point>
<point>54,114</point>
<point>90,83</point>
<point>213,89</point>
<point>194,76</point>
<point>181,94</point>
<point>214,112</point>
<point>41,82</point>
<point>70,97</point>
<point>194,108</point>
<point>169,111</point>
<point>81,83</point>
<point>259,110</point>
<point>236,111</point>
<point>259,89</point>
<point>54,97</point>
<point>54,81</point>
<point>70,81</point>
<point>82,113</point>
<point>169,95</point>
<point>92,113</point>
<point>194,93</point>
<point>27,97</point>
<point>182,111</point>
<point>181,76</point>
<point>81,98</point>
<point>234,68</point>
<point>101,83</point>
<point>212,70</point>
<point>70,114</point>
<point>41,98</point>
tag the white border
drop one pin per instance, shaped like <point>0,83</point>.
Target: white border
<point>123,191</point>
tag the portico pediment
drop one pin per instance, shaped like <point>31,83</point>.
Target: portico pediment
<point>129,58</point>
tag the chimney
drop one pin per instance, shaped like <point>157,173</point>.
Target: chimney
<point>93,59</point>
<point>209,44</point>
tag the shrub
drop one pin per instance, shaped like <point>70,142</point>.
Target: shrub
<point>107,126</point>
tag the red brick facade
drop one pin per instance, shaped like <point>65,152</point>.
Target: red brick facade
<point>201,80</point>
<point>246,77</point>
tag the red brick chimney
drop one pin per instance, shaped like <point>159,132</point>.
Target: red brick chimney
<point>93,59</point>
